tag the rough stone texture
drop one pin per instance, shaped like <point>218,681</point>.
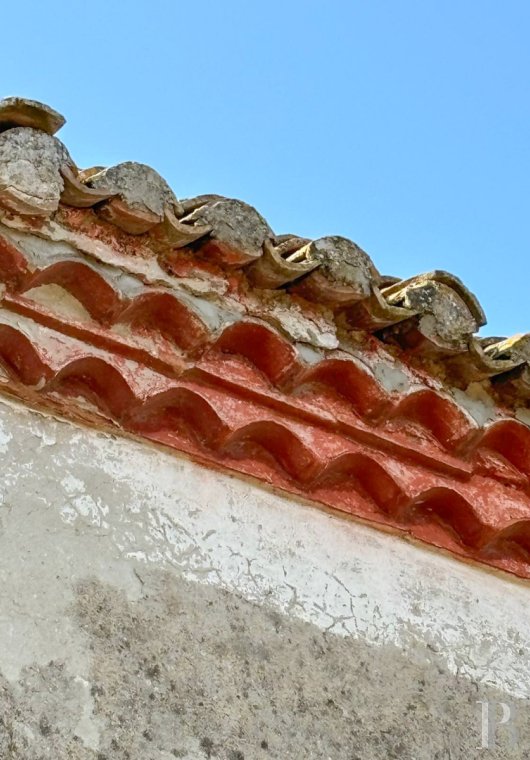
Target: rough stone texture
<point>234,224</point>
<point>517,347</point>
<point>153,609</point>
<point>452,319</point>
<point>139,186</point>
<point>444,316</point>
<point>342,262</point>
<point>30,180</point>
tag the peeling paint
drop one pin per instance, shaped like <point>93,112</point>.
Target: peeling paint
<point>142,505</point>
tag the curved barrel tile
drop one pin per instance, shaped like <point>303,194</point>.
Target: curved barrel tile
<point>344,273</point>
<point>98,382</point>
<point>437,414</point>
<point>364,474</point>
<point>513,540</point>
<point>22,112</point>
<point>13,265</point>
<point>453,511</point>
<point>431,317</point>
<point>140,196</point>
<point>285,447</point>
<point>349,380</point>
<point>77,194</point>
<point>237,234</point>
<point>281,263</point>
<point>510,439</point>
<point>165,314</point>
<point>180,409</point>
<point>20,358</point>
<point>83,283</point>
<point>448,313</point>
<point>30,178</point>
<point>263,347</point>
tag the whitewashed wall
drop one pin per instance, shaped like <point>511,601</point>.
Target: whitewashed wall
<point>80,507</point>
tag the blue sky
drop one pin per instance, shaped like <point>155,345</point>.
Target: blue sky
<point>401,124</point>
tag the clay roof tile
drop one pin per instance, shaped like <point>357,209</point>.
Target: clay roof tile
<point>290,360</point>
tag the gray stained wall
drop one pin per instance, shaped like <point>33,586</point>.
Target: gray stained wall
<point>152,609</point>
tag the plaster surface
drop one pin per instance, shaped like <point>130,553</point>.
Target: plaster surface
<point>151,608</point>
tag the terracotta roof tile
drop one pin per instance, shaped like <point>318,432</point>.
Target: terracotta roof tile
<point>21,112</point>
<point>292,361</point>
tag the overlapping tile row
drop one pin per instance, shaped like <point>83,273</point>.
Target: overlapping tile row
<point>433,316</point>
<point>254,358</point>
<point>465,512</point>
<point>231,384</point>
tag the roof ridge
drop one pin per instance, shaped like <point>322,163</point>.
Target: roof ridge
<point>433,316</point>
<point>193,325</point>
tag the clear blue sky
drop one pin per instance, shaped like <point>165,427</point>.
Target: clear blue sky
<point>402,124</point>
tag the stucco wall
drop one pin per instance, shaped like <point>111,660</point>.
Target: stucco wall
<point>151,608</point>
